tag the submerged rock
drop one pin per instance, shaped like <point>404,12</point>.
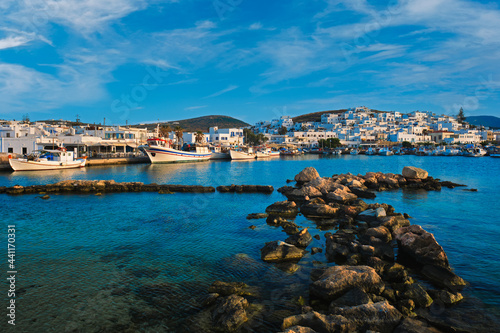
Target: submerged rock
<point>229,313</point>
<point>229,288</point>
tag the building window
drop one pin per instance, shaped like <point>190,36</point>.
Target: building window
<point>8,136</point>
<point>10,150</point>
<point>25,150</point>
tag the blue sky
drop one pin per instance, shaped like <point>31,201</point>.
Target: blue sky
<point>139,61</point>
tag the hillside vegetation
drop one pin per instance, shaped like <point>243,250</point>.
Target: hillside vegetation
<point>201,123</point>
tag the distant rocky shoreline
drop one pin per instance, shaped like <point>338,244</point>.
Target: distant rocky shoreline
<point>389,275</point>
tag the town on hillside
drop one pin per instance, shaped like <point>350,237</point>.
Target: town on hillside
<point>355,128</point>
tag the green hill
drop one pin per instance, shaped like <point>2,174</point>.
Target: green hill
<point>200,123</point>
<point>486,121</point>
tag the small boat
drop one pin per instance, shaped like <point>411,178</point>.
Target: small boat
<point>385,152</point>
<point>495,155</point>
<point>161,151</point>
<point>354,152</point>
<point>371,151</point>
<point>266,153</point>
<point>48,160</point>
<point>219,154</point>
<point>290,152</point>
<point>242,154</point>
<point>475,152</point>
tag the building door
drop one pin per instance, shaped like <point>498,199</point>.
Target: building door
<point>25,150</point>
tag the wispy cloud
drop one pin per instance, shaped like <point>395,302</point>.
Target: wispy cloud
<point>195,107</point>
<point>13,41</point>
<point>223,91</point>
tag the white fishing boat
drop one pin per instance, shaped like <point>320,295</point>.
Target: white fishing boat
<point>475,152</point>
<point>385,152</point>
<point>48,160</point>
<point>242,154</point>
<point>219,154</point>
<point>266,153</point>
<point>161,150</point>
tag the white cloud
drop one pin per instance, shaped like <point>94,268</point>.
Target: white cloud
<point>256,26</point>
<point>223,91</point>
<point>13,41</point>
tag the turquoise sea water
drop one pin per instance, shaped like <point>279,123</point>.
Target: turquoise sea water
<point>142,261</point>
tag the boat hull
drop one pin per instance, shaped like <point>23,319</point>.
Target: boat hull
<point>220,156</point>
<point>170,155</point>
<point>25,165</point>
<point>239,155</point>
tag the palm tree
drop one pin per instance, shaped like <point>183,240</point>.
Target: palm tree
<point>165,130</point>
<point>178,133</point>
<point>199,137</point>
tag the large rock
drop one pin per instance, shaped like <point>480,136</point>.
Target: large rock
<point>278,251</point>
<point>371,215</point>
<point>341,196</point>
<point>320,323</point>
<point>338,280</point>
<point>318,210</point>
<point>326,185</point>
<point>381,233</point>
<point>413,172</point>
<point>443,277</point>
<point>409,325</point>
<point>304,191</point>
<point>353,297</point>
<point>283,208</point>
<point>418,294</point>
<point>420,245</point>
<point>306,175</point>
<point>229,313</point>
<point>302,239</point>
<point>381,316</point>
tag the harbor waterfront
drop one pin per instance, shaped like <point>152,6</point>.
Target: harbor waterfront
<point>138,261</point>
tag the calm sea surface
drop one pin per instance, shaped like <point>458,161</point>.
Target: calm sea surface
<point>142,261</point>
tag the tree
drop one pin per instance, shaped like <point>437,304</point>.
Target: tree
<point>199,137</point>
<point>178,133</point>
<point>329,143</point>
<point>283,130</point>
<point>406,144</point>
<point>254,139</point>
<point>461,116</point>
<point>165,130</point>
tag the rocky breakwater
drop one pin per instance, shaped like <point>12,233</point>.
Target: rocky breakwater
<point>386,269</point>
<point>104,186</point>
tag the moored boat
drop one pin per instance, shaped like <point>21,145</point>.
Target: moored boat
<point>48,160</point>
<point>385,152</point>
<point>242,154</point>
<point>475,152</point>
<point>160,150</point>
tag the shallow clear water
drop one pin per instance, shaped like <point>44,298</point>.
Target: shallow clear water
<point>141,261</point>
